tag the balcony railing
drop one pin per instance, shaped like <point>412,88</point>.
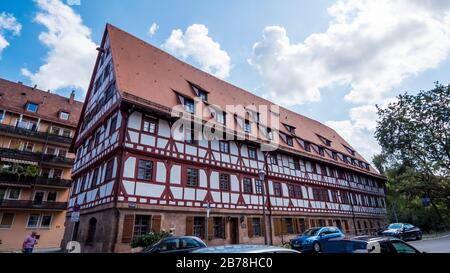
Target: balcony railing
<point>35,157</point>
<point>24,132</point>
<point>27,204</point>
<point>6,178</point>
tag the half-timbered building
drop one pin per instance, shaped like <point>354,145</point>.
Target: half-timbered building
<point>133,174</point>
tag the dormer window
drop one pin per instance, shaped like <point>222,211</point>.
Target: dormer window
<point>334,155</point>
<point>269,133</point>
<point>203,95</point>
<point>345,158</point>
<point>64,115</point>
<point>290,129</point>
<point>289,141</point>
<point>32,107</point>
<point>321,151</point>
<point>307,146</point>
<point>247,126</point>
<point>189,105</point>
<point>350,151</point>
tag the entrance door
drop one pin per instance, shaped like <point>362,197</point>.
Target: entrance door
<point>234,231</point>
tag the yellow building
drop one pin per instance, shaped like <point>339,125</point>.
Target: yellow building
<point>36,130</point>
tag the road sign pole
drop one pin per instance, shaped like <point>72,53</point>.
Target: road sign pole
<point>207,217</point>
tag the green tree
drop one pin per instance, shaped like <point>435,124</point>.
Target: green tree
<point>414,133</point>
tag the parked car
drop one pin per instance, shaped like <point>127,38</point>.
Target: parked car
<point>374,244</point>
<point>402,231</point>
<point>176,244</point>
<point>245,249</point>
<point>316,239</point>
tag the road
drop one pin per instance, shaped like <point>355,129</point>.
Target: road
<point>438,245</point>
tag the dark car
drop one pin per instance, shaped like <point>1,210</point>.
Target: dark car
<point>176,244</point>
<point>316,239</point>
<point>402,231</point>
<point>245,249</point>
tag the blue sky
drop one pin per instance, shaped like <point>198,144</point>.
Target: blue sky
<point>329,60</point>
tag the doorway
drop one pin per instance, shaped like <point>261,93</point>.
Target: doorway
<point>234,231</point>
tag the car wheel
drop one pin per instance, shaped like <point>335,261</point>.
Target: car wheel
<point>316,247</point>
<point>418,236</point>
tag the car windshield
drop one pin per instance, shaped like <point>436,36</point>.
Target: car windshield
<point>311,232</point>
<point>395,226</point>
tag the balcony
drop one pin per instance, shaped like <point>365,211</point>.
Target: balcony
<point>35,157</point>
<point>20,180</point>
<point>27,204</point>
<point>33,134</point>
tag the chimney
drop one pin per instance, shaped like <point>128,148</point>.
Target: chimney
<point>34,87</point>
<point>72,97</point>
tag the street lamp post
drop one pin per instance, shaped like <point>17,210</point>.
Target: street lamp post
<point>262,175</point>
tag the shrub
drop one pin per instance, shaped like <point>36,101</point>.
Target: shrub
<point>148,239</point>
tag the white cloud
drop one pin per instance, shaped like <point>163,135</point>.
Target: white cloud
<point>74,2</point>
<point>72,53</point>
<point>372,46</point>
<point>153,28</point>
<point>8,23</point>
<point>196,44</point>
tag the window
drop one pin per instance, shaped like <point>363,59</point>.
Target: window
<point>259,187</point>
<point>221,118</point>
<point>321,195</point>
<point>33,221</point>
<point>321,151</point>
<point>113,124</point>
<point>14,194</point>
<point>64,115</point>
<point>192,177</point>
<point>298,192</point>
<point>203,95</point>
<point>95,176</point>
<point>51,151</point>
<point>57,173</point>
<point>289,226</point>
<point>45,172</point>
<point>38,197</point>
<point>269,134</point>
<point>141,225</point>
<point>307,146</point>
<point>289,141</point>
<point>6,220</point>
<point>345,158</point>
<point>296,164</point>
<point>199,227</point>
<point>313,167</point>
<point>291,191</point>
<point>66,133</point>
<point>32,107</point>
<point>247,126</point>
<point>224,182</point>
<point>224,147</point>
<point>189,105</point>
<point>28,147</point>
<point>291,129</point>
<point>256,226</point>
<point>51,196</point>
<point>62,153</point>
<point>91,230</point>
<point>323,170</point>
<point>149,126</point>
<point>218,227</point>
<point>189,136</point>
<point>55,130</point>
<point>46,221</point>
<point>273,158</point>
<point>334,155</point>
<point>277,189</point>
<point>2,115</point>
<point>247,183</point>
<point>252,152</point>
<point>109,169</point>
<point>331,172</point>
<point>145,170</point>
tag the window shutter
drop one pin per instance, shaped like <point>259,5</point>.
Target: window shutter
<point>210,228</point>
<point>156,223</point>
<point>224,225</point>
<point>189,225</point>
<point>296,225</point>
<point>128,228</point>
<point>250,227</point>
<point>284,225</point>
<point>277,224</point>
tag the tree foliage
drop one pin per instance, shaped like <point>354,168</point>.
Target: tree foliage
<point>414,133</point>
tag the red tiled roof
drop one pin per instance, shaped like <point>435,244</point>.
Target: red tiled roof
<point>147,72</point>
<point>14,97</point>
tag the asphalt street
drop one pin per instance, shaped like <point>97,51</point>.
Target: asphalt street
<point>438,245</point>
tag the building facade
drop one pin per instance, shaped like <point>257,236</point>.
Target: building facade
<point>36,131</point>
<point>137,170</point>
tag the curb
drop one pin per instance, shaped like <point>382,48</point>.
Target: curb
<point>437,237</point>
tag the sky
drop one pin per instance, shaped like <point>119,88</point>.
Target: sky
<point>330,60</point>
